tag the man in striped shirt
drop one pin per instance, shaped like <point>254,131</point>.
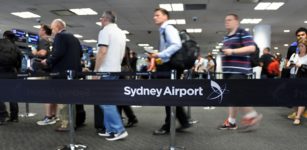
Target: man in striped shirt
<point>238,44</point>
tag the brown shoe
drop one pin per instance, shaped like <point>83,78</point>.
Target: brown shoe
<point>60,129</point>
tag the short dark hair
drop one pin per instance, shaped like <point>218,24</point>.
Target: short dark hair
<point>10,36</point>
<point>163,11</point>
<point>110,15</point>
<point>47,29</point>
<point>301,29</point>
<point>267,48</point>
<point>234,15</point>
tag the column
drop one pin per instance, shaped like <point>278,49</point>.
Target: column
<point>262,37</point>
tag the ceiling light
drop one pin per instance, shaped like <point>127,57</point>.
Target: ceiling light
<point>286,31</point>
<point>126,32</point>
<point>286,45</point>
<point>90,41</point>
<point>25,14</point>
<point>251,21</point>
<point>246,29</point>
<point>221,44</point>
<point>275,5</point>
<point>177,21</point>
<point>198,30</point>
<point>262,6</point>
<point>172,7</point>
<point>305,21</point>
<point>269,5</point>
<point>215,50</point>
<point>37,26</point>
<point>148,47</point>
<point>78,36</point>
<point>177,7</point>
<point>218,47</point>
<point>84,11</point>
<point>98,23</point>
<point>276,48</point>
<point>127,40</point>
<point>143,45</point>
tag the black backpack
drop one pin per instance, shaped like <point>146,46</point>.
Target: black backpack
<point>254,57</point>
<point>185,57</point>
<point>10,56</point>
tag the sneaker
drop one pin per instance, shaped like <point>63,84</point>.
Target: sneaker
<point>228,126</point>
<point>104,134</point>
<point>293,115</point>
<point>46,121</point>
<point>250,124</point>
<point>119,136</point>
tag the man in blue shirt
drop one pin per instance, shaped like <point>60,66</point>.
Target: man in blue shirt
<point>170,43</point>
<point>238,44</point>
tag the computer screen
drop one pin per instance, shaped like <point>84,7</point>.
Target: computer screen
<point>21,35</point>
<point>33,38</point>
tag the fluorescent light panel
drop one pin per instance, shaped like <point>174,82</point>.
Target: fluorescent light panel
<point>276,48</point>
<point>269,5</point>
<point>286,45</point>
<point>25,14</point>
<point>83,11</point>
<point>78,36</point>
<point>126,32</point>
<point>172,7</point>
<point>90,41</point>
<point>143,45</point>
<point>197,30</point>
<point>37,26</point>
<point>177,21</point>
<point>251,21</point>
<point>305,21</point>
<point>127,40</point>
<point>98,23</point>
<point>286,31</point>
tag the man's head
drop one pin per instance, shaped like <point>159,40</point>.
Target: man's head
<point>301,33</point>
<point>231,22</point>
<point>44,30</point>
<point>10,36</point>
<point>266,50</point>
<point>57,26</point>
<point>107,17</point>
<point>160,16</point>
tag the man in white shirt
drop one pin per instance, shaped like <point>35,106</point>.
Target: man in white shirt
<point>111,43</point>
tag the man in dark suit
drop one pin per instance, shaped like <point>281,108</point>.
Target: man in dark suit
<point>64,56</point>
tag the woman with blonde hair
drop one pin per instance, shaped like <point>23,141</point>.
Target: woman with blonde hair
<point>296,62</point>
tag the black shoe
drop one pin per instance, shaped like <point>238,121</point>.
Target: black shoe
<point>13,120</point>
<point>184,127</point>
<point>160,132</point>
<point>131,123</point>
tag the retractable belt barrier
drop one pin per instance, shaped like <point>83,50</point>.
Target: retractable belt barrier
<point>158,92</point>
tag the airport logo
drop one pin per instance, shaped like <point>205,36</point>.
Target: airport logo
<point>217,92</point>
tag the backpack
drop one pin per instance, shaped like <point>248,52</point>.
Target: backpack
<point>10,56</point>
<point>254,57</point>
<point>185,57</point>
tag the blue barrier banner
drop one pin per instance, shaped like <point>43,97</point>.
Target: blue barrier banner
<point>282,92</point>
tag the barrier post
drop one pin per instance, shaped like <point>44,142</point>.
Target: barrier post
<point>27,114</point>
<point>71,112</point>
<point>172,145</point>
<point>187,76</point>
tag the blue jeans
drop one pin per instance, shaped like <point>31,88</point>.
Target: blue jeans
<point>112,119</point>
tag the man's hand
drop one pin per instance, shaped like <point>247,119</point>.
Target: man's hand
<point>228,51</point>
<point>44,62</point>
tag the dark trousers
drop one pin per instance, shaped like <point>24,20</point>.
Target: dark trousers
<point>98,118</point>
<point>128,111</point>
<point>13,110</point>
<point>180,113</point>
